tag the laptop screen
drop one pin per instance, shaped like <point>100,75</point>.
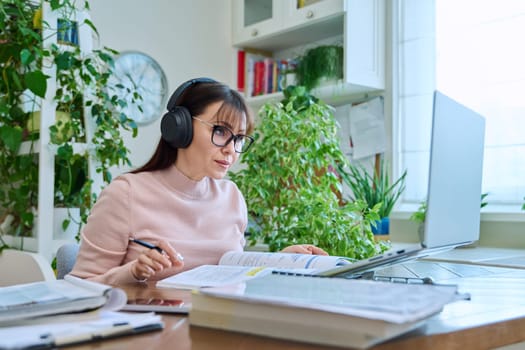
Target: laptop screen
<point>454,188</point>
<point>456,164</point>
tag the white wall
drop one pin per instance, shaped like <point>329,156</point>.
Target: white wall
<point>189,38</point>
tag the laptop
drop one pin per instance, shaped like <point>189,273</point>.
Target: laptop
<point>454,188</point>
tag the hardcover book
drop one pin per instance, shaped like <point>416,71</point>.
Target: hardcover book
<point>328,311</point>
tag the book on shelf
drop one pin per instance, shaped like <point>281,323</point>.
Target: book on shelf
<point>72,294</point>
<point>258,73</point>
<point>241,70</point>
<point>327,311</point>
<point>58,331</point>
<point>259,78</point>
<point>234,267</point>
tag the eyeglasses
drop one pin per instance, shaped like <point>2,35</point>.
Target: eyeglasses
<point>221,136</point>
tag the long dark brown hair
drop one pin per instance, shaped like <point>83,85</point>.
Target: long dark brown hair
<point>196,98</point>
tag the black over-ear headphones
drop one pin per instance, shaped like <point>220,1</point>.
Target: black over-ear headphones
<point>176,125</point>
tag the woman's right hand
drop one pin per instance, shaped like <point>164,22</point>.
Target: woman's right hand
<point>151,261</point>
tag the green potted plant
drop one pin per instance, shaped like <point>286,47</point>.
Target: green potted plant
<point>82,86</point>
<point>374,190</point>
<point>290,186</point>
<point>324,61</point>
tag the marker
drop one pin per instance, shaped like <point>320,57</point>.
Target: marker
<point>152,246</point>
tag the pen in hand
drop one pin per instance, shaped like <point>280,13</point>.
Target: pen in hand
<point>146,244</point>
<point>152,246</point>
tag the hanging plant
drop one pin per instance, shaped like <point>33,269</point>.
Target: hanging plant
<point>83,85</point>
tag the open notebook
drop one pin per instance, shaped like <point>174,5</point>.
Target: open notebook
<point>454,188</point>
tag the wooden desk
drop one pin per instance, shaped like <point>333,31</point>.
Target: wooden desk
<point>495,316</point>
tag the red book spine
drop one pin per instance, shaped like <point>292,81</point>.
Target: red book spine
<point>259,78</point>
<point>241,69</point>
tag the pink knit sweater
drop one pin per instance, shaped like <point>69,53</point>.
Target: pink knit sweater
<point>201,219</point>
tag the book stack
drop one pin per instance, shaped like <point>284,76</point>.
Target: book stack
<point>56,313</point>
<point>319,310</point>
<point>258,73</point>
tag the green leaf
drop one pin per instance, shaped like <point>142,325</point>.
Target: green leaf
<point>16,80</point>
<point>55,4</point>
<point>91,25</point>
<point>36,81</point>
<point>64,60</point>
<point>11,137</point>
<point>26,57</point>
<point>65,224</point>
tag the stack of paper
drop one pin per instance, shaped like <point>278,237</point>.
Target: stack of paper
<point>71,294</point>
<point>330,311</point>
<point>54,313</point>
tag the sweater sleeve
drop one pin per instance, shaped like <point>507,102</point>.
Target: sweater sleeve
<point>105,238</point>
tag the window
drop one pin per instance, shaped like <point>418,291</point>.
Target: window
<point>472,51</point>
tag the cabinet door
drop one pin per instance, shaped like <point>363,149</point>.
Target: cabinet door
<point>303,12</point>
<point>255,18</point>
<point>365,43</point>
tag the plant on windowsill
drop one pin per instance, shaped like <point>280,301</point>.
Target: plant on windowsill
<point>318,63</point>
<point>82,86</point>
<point>292,192</point>
<point>375,190</point>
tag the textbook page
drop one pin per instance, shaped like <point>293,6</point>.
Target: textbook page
<point>283,260</point>
<point>213,276</point>
<point>235,267</point>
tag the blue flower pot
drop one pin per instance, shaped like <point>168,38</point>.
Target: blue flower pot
<point>381,227</point>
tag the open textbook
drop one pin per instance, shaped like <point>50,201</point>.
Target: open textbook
<point>236,267</point>
<point>328,311</point>
<point>72,294</point>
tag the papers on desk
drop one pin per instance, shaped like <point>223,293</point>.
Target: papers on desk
<point>44,298</point>
<point>76,328</point>
<point>50,314</point>
<point>329,311</point>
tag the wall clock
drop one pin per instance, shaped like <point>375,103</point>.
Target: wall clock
<point>137,71</point>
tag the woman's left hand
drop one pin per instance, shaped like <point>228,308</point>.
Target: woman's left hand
<point>304,249</point>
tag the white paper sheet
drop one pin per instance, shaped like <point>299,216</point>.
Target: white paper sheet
<point>367,128</point>
<point>69,329</point>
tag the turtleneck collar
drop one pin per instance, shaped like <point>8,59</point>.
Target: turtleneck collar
<point>174,178</point>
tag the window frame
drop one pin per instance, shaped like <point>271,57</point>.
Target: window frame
<point>491,213</point>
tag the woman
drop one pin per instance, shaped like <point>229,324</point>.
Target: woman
<point>178,200</point>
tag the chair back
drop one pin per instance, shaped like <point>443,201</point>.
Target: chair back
<point>17,267</point>
<point>66,258</point>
